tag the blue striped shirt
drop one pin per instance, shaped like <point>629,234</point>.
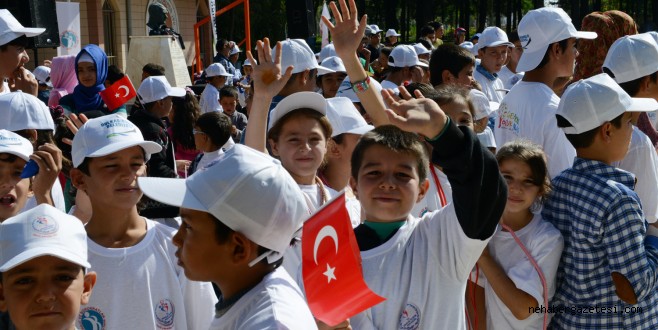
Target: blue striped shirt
<point>594,207</point>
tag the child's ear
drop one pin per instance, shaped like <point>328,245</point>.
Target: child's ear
<point>447,77</point>
<point>274,147</point>
<point>424,186</point>
<point>78,179</point>
<point>3,302</point>
<point>333,150</point>
<point>605,132</point>
<point>353,185</point>
<point>243,250</point>
<point>89,282</point>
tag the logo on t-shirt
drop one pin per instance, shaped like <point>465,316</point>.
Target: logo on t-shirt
<point>164,314</point>
<point>410,318</point>
<point>91,318</point>
<point>508,120</point>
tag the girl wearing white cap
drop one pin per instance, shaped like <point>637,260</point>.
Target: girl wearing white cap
<point>329,82</point>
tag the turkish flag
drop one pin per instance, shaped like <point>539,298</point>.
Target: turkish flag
<point>119,93</point>
<point>331,266</point>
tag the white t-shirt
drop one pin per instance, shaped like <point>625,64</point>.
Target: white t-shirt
<point>487,138</point>
<point>57,195</point>
<point>422,272</point>
<point>432,201</point>
<point>209,100</point>
<point>509,78</point>
<point>387,84</point>
<point>492,89</point>
<point>545,243</point>
<point>528,111</point>
<point>642,160</point>
<point>275,303</point>
<point>142,287</point>
<point>653,118</point>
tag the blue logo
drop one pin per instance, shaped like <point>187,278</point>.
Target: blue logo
<point>525,39</point>
<point>164,314</point>
<point>91,318</point>
<point>68,39</point>
<point>44,226</point>
<point>410,318</point>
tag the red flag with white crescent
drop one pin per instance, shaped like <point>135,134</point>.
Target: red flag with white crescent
<point>119,93</point>
<point>331,266</point>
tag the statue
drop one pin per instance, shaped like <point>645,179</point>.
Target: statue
<point>157,22</point>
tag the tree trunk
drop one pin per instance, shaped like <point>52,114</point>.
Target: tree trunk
<point>390,16</point>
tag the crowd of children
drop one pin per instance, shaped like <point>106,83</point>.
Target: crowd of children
<point>485,189</point>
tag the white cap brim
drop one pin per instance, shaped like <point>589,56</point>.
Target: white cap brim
<point>361,130</point>
<point>170,191</point>
<point>323,70</point>
<point>178,92</point>
<point>148,146</point>
<point>299,100</point>
<point>496,44</point>
<point>585,35</point>
<point>639,104</point>
<point>36,252</point>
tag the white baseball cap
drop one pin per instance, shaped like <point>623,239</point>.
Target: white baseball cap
<point>226,189</point>
<point>345,118</point>
<point>334,63</point>
<point>11,29</point>
<point>392,33</point>
<point>632,57</point>
<point>246,62</point>
<point>327,51</point>
<point>104,135</point>
<point>217,69</point>
<point>12,143</point>
<point>299,100</point>
<point>421,50</point>
<point>541,27</point>
<point>404,56</point>
<point>493,36</point>
<point>345,89</point>
<point>234,50</point>
<point>468,46</point>
<point>42,73</point>
<point>42,231</point>
<point>483,107</point>
<point>589,103</point>
<point>298,53</point>
<point>375,29</point>
<point>20,111</point>
<point>156,88</point>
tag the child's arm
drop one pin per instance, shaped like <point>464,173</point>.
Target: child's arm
<point>268,80</point>
<point>479,191</point>
<point>346,35</point>
<point>49,159</point>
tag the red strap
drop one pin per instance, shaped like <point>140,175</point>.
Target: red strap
<point>442,196</point>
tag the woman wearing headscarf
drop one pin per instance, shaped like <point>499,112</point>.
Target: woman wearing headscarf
<point>62,76</point>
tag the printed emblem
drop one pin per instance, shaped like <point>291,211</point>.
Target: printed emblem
<point>508,120</point>
<point>410,318</point>
<point>164,314</point>
<point>91,318</point>
<point>525,40</point>
<point>44,226</point>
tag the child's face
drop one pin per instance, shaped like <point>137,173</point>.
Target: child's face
<point>199,252</point>
<point>247,69</point>
<point>87,74</point>
<point>493,58</point>
<point>459,113</point>
<point>465,76</point>
<point>331,82</point>
<point>218,81</point>
<point>567,60</point>
<point>388,185</point>
<point>45,293</point>
<point>112,183</point>
<point>12,58</point>
<point>228,103</point>
<point>301,147</point>
<point>13,189</point>
<point>516,52</point>
<point>522,190</point>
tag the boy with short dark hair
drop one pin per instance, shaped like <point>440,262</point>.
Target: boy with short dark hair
<point>606,262</point>
<point>140,286</point>
<point>452,64</point>
<point>228,99</point>
<point>212,136</point>
<point>13,41</point>
<point>43,269</point>
<point>239,247</point>
<point>492,50</point>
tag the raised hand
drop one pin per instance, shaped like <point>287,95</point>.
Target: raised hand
<point>348,31</point>
<point>267,76</point>
<point>49,159</point>
<point>419,115</point>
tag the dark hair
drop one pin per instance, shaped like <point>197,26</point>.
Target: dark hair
<point>453,93</point>
<point>425,43</point>
<point>585,139</point>
<point>153,69</point>
<point>435,25</point>
<point>386,51</point>
<point>632,87</point>
<point>562,44</point>
<point>312,75</point>
<point>394,139</point>
<point>514,36</point>
<point>426,30</point>
<point>221,43</point>
<point>448,57</point>
<point>532,155</point>
<point>223,233</point>
<point>275,131</point>
<point>114,74</point>
<point>43,136</point>
<point>216,125</point>
<point>426,89</point>
<point>228,91</point>
<point>186,112</point>
<point>21,41</point>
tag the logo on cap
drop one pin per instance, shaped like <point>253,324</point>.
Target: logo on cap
<point>526,39</point>
<point>6,141</point>
<point>44,226</point>
<point>124,133</point>
<point>164,314</point>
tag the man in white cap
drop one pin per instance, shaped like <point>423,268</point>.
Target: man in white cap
<point>216,78</point>
<point>374,44</point>
<point>391,38</point>
<point>233,56</point>
<point>528,110</point>
<point>13,41</point>
<point>223,48</point>
<point>492,49</point>
<point>405,66</point>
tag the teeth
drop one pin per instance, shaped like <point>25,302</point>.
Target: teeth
<point>7,200</point>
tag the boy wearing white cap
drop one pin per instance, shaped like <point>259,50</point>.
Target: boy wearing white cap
<point>139,285</point>
<point>13,41</point>
<point>330,82</point>
<point>43,270</point>
<point>492,49</point>
<point>216,77</point>
<point>42,74</point>
<point>607,263</point>
<point>405,66</point>
<point>239,247</point>
<point>15,152</point>
<point>528,110</point>
<point>632,61</point>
